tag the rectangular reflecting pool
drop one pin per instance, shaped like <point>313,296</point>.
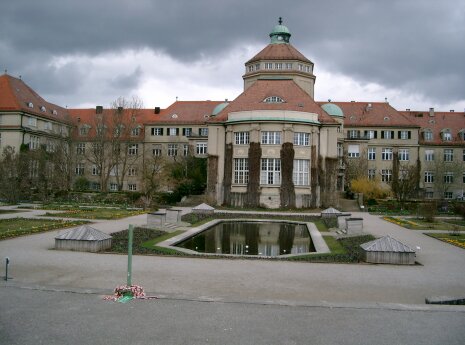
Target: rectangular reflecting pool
<point>252,238</point>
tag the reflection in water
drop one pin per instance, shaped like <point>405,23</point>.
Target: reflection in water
<point>252,238</point>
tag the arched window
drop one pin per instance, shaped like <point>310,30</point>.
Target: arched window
<point>273,99</point>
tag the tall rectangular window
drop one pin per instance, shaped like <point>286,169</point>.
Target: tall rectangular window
<point>95,170</point>
<point>172,150</point>
<point>268,65</point>
<point>404,154</point>
<point>288,65</point>
<point>173,131</point>
<point>386,154</point>
<point>448,155</point>
<point>185,150</point>
<point>187,132</point>
<point>371,153</point>
<point>429,155</point>
<point>353,151</point>
<point>34,142</point>
<point>241,138</point>
<point>449,177</point>
<point>271,138</point>
<point>133,149</point>
<point>132,171</point>
<point>429,177</point>
<point>301,139</point>
<point>81,148</point>
<point>278,65</point>
<point>300,175</point>
<point>270,171</point>
<point>386,175</point>
<point>371,174</point>
<point>241,170</point>
<point>79,169</point>
<point>156,150</point>
<point>201,148</point>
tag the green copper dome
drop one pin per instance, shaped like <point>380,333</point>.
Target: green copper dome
<point>219,108</point>
<point>332,109</point>
<point>280,33</point>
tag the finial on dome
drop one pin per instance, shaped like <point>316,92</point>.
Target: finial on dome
<point>280,21</point>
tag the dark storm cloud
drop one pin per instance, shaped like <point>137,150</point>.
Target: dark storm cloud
<point>414,46</point>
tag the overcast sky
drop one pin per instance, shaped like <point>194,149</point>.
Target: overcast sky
<point>82,53</point>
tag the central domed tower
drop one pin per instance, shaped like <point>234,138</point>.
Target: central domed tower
<point>280,60</point>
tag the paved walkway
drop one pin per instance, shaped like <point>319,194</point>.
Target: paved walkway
<point>35,264</point>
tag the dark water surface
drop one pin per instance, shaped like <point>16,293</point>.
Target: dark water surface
<point>252,238</point>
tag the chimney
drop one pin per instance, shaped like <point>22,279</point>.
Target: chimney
<point>407,109</point>
<point>120,109</point>
<point>157,110</point>
<point>431,111</point>
<point>98,109</point>
<point>369,106</point>
<point>452,111</point>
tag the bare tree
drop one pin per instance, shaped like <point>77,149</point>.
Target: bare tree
<point>128,137</point>
<point>117,141</point>
<point>405,179</point>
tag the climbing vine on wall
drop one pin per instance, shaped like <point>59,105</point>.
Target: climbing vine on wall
<point>253,192</point>
<point>228,173</point>
<point>287,191</point>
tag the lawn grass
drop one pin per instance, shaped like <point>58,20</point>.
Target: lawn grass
<point>144,242</point>
<point>152,244</point>
<point>96,213</point>
<point>321,226</point>
<point>16,227</point>
<point>456,240</point>
<point>334,245</point>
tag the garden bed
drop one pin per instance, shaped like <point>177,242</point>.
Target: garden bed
<point>456,240</point>
<point>96,213</point>
<point>421,224</point>
<point>15,227</point>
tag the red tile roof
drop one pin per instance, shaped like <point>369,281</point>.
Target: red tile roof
<point>185,112</point>
<point>380,114</point>
<point>279,52</point>
<point>15,95</point>
<point>453,121</point>
<point>295,99</point>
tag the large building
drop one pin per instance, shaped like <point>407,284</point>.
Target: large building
<point>272,146</point>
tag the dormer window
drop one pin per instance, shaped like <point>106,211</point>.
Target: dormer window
<point>42,108</point>
<point>174,116</point>
<point>30,105</point>
<point>273,99</point>
<point>54,112</point>
<point>446,135</point>
<point>135,132</point>
<point>84,130</point>
<point>427,135</point>
<point>462,135</point>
